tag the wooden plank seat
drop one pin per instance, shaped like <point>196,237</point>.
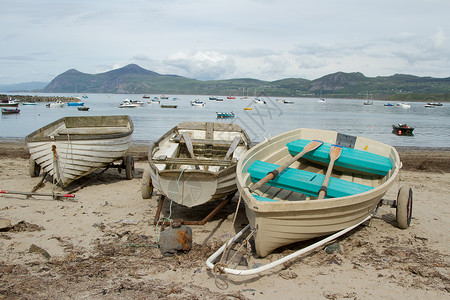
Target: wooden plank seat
<point>353,159</point>
<point>305,182</point>
<point>224,143</point>
<point>193,161</point>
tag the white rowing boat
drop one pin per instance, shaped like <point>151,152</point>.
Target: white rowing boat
<point>287,209</point>
<point>195,162</point>
<point>72,147</point>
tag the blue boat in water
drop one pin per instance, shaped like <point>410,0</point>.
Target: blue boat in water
<point>75,103</point>
<point>222,115</point>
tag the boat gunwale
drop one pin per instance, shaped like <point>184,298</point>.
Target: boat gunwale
<point>32,137</point>
<point>313,204</point>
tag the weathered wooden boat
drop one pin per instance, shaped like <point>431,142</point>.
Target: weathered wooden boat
<point>7,111</point>
<point>72,147</point>
<point>402,129</point>
<point>195,162</point>
<point>287,209</point>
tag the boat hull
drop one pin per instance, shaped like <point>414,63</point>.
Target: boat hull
<point>73,147</point>
<point>292,217</point>
<point>215,177</point>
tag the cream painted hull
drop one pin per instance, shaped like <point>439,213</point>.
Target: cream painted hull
<point>71,153</point>
<point>287,221</point>
<point>185,184</point>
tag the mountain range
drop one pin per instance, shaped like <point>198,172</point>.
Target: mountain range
<point>137,80</point>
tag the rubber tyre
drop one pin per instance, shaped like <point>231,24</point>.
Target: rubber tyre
<point>404,207</point>
<point>146,185</point>
<point>33,168</point>
<point>129,167</point>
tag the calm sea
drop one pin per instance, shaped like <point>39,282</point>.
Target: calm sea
<point>264,120</point>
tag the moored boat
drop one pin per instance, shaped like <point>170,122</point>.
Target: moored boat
<point>72,147</point>
<point>434,103</point>
<point>197,103</point>
<point>77,103</point>
<point>7,111</point>
<point>403,105</point>
<point>195,162</point>
<point>9,103</point>
<point>223,115</point>
<point>402,129</point>
<point>288,209</point>
<point>83,108</point>
<point>56,104</point>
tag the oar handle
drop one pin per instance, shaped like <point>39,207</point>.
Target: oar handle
<point>314,144</point>
<point>335,152</point>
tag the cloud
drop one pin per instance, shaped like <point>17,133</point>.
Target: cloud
<point>203,65</point>
<point>438,39</point>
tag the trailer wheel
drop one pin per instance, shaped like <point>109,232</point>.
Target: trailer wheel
<point>404,206</point>
<point>146,185</point>
<point>129,167</point>
<point>33,168</point>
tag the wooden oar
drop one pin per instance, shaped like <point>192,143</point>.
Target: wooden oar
<point>271,175</point>
<point>335,152</point>
<point>56,196</point>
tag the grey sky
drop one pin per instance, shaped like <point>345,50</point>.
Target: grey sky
<point>208,39</point>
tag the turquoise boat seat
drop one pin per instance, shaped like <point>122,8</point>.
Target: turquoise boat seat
<point>305,182</point>
<point>350,158</point>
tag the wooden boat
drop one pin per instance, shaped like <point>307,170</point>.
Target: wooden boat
<point>287,209</point>
<point>195,162</point>
<point>402,129</point>
<point>6,111</point>
<point>83,108</point>
<point>72,147</point>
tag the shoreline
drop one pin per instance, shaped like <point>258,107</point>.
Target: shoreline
<point>427,159</point>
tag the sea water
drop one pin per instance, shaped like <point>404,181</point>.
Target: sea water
<point>262,121</point>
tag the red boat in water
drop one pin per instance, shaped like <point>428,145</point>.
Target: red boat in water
<point>402,129</point>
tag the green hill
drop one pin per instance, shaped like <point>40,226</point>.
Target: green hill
<point>136,80</point>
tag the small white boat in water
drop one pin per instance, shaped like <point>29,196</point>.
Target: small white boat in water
<point>195,162</point>
<point>72,147</point>
<point>127,103</point>
<point>197,103</point>
<point>403,105</point>
<point>56,104</point>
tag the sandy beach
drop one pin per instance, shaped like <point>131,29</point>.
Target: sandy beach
<point>103,245</point>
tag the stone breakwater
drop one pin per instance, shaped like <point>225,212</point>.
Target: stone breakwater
<point>24,98</point>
